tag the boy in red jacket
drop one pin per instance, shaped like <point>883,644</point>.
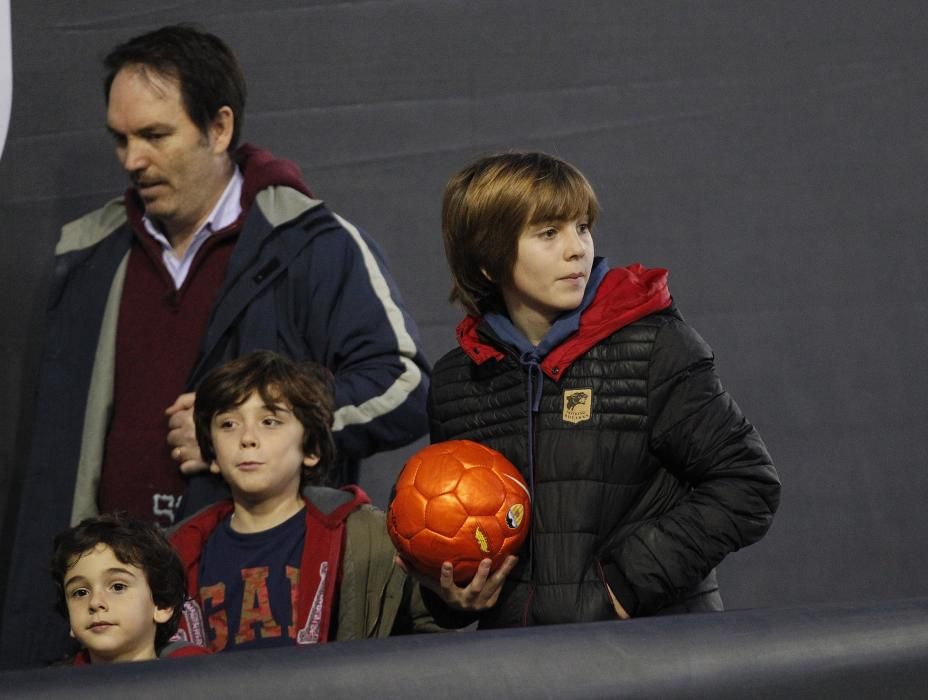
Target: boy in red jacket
<point>267,567</point>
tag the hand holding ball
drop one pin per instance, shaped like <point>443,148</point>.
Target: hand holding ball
<point>458,501</point>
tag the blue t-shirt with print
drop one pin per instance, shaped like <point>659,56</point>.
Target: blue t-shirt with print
<point>249,585</point>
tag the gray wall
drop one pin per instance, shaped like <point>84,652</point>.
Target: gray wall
<point>771,154</point>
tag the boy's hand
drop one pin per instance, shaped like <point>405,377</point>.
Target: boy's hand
<point>182,436</point>
<point>480,594</point>
<point>619,610</point>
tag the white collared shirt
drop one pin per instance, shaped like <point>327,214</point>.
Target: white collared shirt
<point>226,211</point>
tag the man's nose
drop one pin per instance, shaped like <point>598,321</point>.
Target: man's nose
<point>135,156</point>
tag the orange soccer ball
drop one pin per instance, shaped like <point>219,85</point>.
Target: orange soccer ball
<point>458,501</point>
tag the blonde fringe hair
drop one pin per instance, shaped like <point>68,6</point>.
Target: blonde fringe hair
<point>487,205</point>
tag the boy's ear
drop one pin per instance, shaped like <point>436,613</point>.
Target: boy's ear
<point>162,615</point>
<point>310,460</point>
<point>214,468</point>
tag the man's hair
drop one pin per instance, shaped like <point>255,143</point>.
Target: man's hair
<point>206,70</point>
<point>133,542</point>
<point>305,387</point>
<point>487,205</point>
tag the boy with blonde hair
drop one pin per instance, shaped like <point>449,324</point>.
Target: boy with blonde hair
<point>644,472</point>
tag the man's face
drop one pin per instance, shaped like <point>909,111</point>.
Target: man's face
<point>259,451</point>
<point>110,607</point>
<point>179,171</point>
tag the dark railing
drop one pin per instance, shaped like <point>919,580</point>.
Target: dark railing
<point>877,650</point>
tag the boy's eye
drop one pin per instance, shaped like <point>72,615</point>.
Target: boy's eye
<point>78,593</point>
<point>119,587</point>
<point>585,228</point>
<point>225,424</point>
<point>271,421</point>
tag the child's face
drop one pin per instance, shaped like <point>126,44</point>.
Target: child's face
<point>110,607</point>
<point>553,263</point>
<point>259,451</point>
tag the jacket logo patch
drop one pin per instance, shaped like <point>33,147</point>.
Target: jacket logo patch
<point>577,405</point>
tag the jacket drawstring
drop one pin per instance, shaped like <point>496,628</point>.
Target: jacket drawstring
<point>534,385</point>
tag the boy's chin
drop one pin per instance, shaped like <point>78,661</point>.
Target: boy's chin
<point>256,497</point>
<point>106,653</point>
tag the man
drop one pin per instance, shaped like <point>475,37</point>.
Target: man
<point>215,250</point>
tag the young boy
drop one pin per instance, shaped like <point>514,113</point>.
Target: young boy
<point>643,470</point>
<point>121,588</point>
<point>284,562</point>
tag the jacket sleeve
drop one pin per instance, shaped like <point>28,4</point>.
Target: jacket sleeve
<point>357,326</point>
<point>376,598</point>
<point>188,539</point>
<point>698,433</point>
<point>424,611</point>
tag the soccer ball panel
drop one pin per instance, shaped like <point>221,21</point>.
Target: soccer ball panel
<point>444,515</point>
<point>440,474</point>
<point>480,491</point>
<point>408,517</point>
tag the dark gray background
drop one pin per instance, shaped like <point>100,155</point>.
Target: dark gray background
<point>772,155</point>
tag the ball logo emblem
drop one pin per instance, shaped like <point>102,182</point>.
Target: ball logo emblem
<point>458,501</point>
<point>515,515</point>
<point>482,540</point>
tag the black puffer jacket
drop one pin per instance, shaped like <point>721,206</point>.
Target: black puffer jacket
<point>645,472</point>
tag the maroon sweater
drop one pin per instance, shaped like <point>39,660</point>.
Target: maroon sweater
<point>157,341</point>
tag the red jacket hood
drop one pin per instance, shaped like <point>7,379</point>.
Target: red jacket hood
<point>322,551</point>
<point>262,170</point>
<point>625,295</point>
<point>190,535</point>
<point>173,650</point>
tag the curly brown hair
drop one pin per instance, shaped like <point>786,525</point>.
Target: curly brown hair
<point>305,387</point>
<point>136,543</point>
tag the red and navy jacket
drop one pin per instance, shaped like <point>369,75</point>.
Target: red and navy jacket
<point>319,565</point>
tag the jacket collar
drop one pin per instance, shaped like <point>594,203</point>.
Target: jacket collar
<point>565,326</point>
<point>189,536</point>
<point>625,295</point>
<point>260,170</point>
